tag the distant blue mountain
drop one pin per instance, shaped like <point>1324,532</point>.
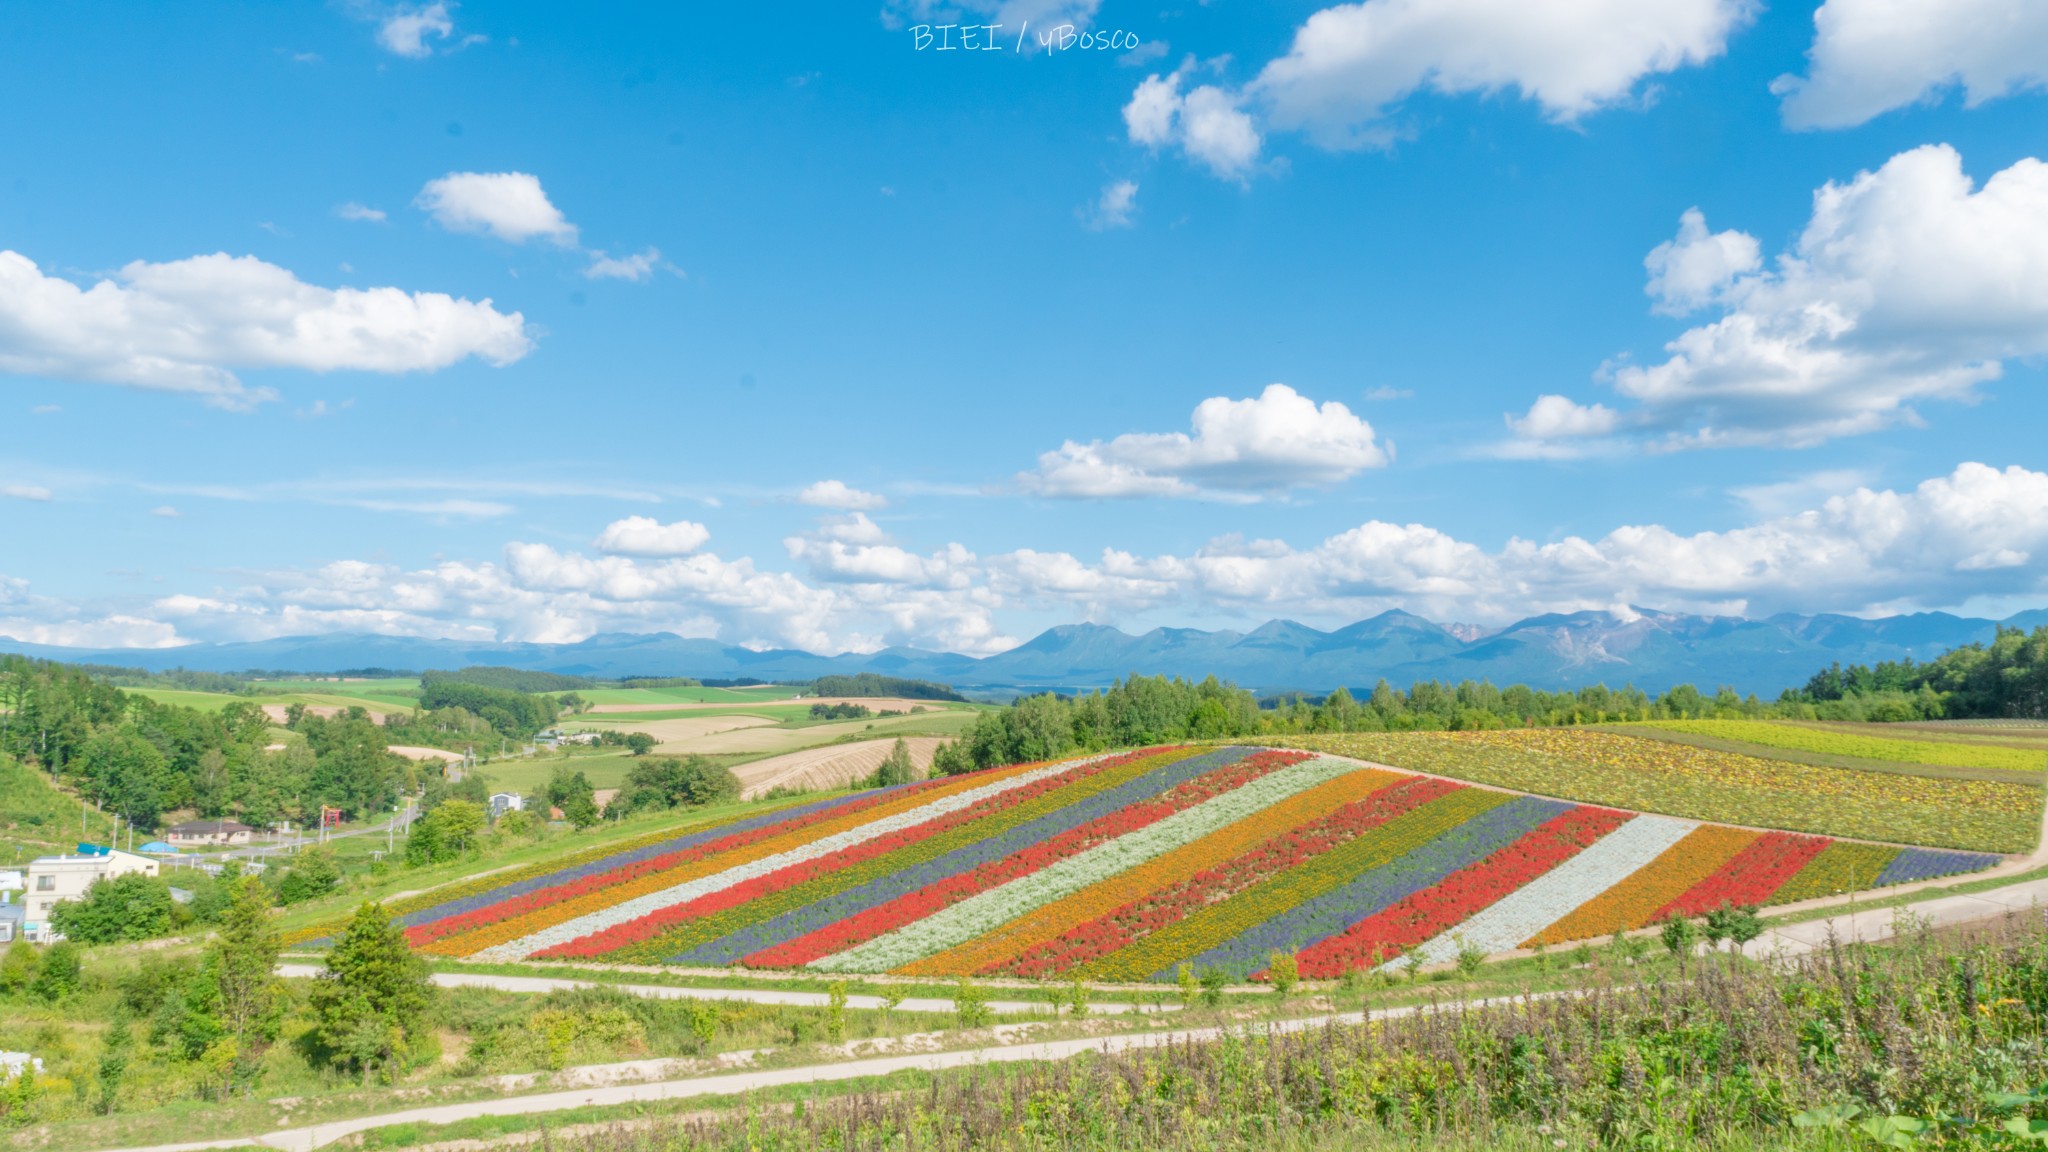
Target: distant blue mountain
<point>1652,650</point>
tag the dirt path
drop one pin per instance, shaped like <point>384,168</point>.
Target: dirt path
<point>788,998</point>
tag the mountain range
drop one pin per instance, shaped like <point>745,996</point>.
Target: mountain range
<point>1649,649</point>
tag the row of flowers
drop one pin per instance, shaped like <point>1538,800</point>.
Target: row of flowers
<point>920,903</point>
<point>972,917</point>
<point>1226,920</point>
<point>706,925</point>
<point>609,908</point>
<point>1634,898</point>
<point>1928,864</point>
<point>1752,876</point>
<point>1843,866</point>
<point>1334,909</point>
<point>1439,908</point>
<point>620,868</point>
<point>1507,922</point>
<point>1220,866</point>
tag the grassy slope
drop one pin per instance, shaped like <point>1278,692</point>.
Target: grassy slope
<point>37,819</point>
<point>686,695</point>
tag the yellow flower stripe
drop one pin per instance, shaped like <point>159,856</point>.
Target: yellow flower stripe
<point>502,931</point>
<point>1222,921</point>
<point>1106,896</point>
<point>1840,867</point>
<point>1630,903</point>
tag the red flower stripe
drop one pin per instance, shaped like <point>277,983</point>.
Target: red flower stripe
<point>1750,876</point>
<point>654,923</point>
<point>913,906</point>
<point>420,934</point>
<point>1165,906</point>
<point>1445,905</point>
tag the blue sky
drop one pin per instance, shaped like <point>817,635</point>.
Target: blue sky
<point>524,322</point>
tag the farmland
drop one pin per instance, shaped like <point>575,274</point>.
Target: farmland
<point>1954,747</point>
<point>1674,779</point>
<point>1127,866</point>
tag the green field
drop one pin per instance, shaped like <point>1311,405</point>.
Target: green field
<point>215,701</point>
<point>36,819</point>
<point>1860,741</point>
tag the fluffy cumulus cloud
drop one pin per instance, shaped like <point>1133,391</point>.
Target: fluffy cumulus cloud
<point>1908,284</point>
<point>838,494</point>
<point>188,325</point>
<point>1351,66</point>
<point>1207,124</point>
<point>1977,532</point>
<point>1237,450</point>
<point>1872,56</point>
<point>646,536</point>
<point>511,206</point>
<point>404,30</point>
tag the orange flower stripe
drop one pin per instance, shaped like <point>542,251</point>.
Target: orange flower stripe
<point>1630,903</point>
<point>1100,899</point>
<point>503,931</point>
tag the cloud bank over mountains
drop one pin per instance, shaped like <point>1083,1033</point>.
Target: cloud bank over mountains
<point>1975,534</point>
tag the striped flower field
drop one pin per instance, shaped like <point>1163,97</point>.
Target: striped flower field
<point>1123,867</point>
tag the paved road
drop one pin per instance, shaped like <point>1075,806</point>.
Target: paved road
<point>1878,923</point>
<point>749,995</point>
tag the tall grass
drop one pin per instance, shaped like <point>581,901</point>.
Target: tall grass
<point>1725,1056</point>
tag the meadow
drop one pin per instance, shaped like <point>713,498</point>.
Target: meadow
<point>1125,867</point>
<point>1904,805</point>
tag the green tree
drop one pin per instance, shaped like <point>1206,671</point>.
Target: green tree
<point>18,968</point>
<point>59,975</point>
<point>370,1006</point>
<point>114,1060</point>
<point>314,874</point>
<point>457,824</point>
<point>896,769</point>
<point>1679,935</point>
<point>127,774</point>
<point>639,743</point>
<point>127,907</point>
<point>241,962</point>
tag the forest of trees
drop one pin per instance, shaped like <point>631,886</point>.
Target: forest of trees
<point>2006,678</point>
<point>143,759</point>
<point>873,684</point>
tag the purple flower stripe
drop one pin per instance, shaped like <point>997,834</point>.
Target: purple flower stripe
<point>801,921</point>
<point>1928,863</point>
<point>1335,911</point>
<point>617,860</point>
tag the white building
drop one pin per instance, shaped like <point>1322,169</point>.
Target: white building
<point>503,802</point>
<point>55,879</point>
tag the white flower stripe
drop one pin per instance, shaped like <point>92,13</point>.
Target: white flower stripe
<point>1557,893</point>
<point>702,886</point>
<point>990,910</point>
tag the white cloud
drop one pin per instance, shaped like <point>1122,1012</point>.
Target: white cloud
<point>166,511</point>
<point>1908,284</point>
<point>403,30</point>
<point>637,267</point>
<point>1239,449</point>
<point>1784,497</point>
<point>186,325</point>
<point>1207,124</point>
<point>1113,208</point>
<point>1559,418</point>
<point>646,536</point>
<point>1872,56</point>
<point>1973,534</point>
<point>456,508</point>
<point>1352,64</point>
<point>34,492</point>
<point>837,494</point>
<point>1351,67</point>
<point>1694,269</point>
<point>362,212</point>
<point>508,205</point>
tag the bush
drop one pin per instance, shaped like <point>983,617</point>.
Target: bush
<point>897,769</point>
<point>659,785</point>
<point>313,874</point>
